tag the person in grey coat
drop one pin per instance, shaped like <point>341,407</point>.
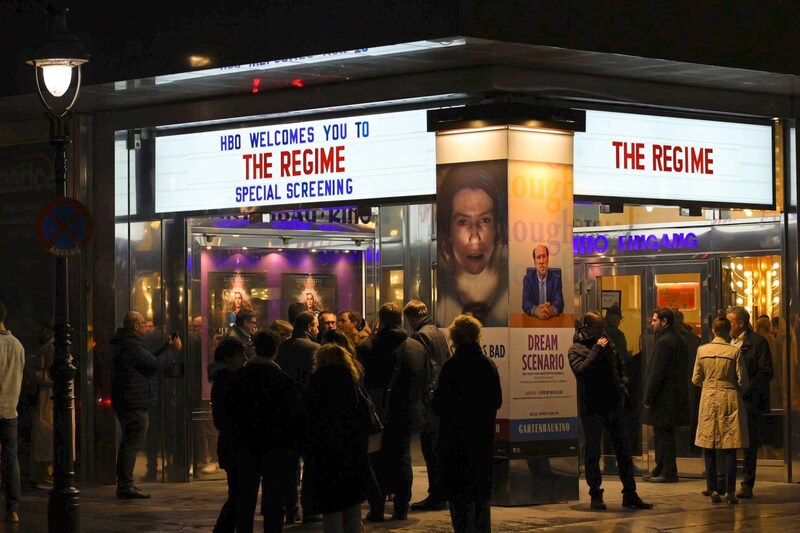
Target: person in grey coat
<point>666,396</point>
<point>436,352</point>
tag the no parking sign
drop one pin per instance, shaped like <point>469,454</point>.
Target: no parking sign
<point>64,227</point>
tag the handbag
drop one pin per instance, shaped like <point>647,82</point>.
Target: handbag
<point>371,420</point>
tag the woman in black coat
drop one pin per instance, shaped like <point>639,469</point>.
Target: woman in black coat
<point>335,442</point>
<point>467,400</point>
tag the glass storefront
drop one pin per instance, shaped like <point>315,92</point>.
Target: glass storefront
<point>186,273</point>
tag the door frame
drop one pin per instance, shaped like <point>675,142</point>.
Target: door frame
<point>590,273</point>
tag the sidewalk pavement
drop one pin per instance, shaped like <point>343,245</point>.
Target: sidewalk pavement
<point>193,507</point>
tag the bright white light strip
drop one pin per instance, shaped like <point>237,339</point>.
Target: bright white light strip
<point>310,60</point>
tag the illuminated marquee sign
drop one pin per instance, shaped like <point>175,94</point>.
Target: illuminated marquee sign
<point>665,160</point>
<point>339,160</point>
<point>600,244</point>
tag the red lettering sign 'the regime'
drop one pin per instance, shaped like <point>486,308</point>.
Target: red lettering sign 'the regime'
<point>664,158</point>
<point>301,162</point>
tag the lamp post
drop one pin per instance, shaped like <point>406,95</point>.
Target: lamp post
<point>54,60</point>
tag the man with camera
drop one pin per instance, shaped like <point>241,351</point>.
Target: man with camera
<point>602,393</point>
<point>133,392</point>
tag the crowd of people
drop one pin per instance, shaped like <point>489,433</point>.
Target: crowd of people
<point>732,373</point>
<point>290,407</point>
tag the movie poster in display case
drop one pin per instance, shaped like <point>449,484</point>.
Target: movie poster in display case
<point>229,293</point>
<point>316,291</point>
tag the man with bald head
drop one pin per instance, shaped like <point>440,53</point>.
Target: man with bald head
<point>134,391</point>
<point>541,287</point>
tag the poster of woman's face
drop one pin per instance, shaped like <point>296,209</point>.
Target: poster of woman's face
<point>316,291</point>
<point>472,242</point>
<point>230,294</point>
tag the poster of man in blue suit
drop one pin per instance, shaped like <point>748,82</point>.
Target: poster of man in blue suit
<point>541,287</point>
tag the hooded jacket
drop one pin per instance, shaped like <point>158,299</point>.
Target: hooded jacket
<point>135,371</point>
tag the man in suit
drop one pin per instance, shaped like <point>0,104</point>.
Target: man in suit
<point>541,288</point>
<point>757,357</point>
<point>666,397</point>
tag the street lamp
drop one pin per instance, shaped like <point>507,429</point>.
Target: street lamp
<point>57,62</point>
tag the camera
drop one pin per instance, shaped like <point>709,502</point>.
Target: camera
<point>173,335</point>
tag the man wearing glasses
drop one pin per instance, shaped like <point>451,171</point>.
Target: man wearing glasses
<point>245,327</point>
<point>134,392</point>
<point>327,321</point>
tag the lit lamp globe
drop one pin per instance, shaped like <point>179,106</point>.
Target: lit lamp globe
<point>55,59</point>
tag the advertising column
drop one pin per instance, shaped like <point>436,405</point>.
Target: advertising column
<point>504,234</point>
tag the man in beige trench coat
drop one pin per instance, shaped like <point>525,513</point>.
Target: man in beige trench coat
<point>722,418</point>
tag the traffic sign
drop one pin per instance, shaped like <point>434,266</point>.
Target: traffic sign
<point>64,227</point>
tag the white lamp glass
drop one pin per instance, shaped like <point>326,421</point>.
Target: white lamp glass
<point>57,78</point>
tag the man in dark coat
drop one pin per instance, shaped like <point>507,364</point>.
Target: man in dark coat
<point>229,356</point>
<point>133,392</point>
<point>758,360</point>
<point>266,409</point>
<point>466,400</point>
<point>394,375</point>
<point>602,393</point>
<point>296,358</point>
<point>692,344</point>
<point>243,330</point>
<point>436,352</point>
<point>666,395</point>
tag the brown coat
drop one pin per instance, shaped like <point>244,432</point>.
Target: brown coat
<point>722,419</point>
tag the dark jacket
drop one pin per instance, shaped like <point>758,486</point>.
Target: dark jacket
<point>296,358</point>
<point>223,383</point>
<point>238,333</point>
<point>467,401</point>
<point>134,387</point>
<point>334,439</point>
<point>601,379</point>
<point>666,386</point>
<point>378,354</point>
<point>437,351</point>
<point>265,407</point>
<point>757,359</point>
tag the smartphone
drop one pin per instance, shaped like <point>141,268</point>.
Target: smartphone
<point>173,335</point>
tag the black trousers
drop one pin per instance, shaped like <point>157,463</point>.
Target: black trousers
<point>751,452</point>
<point>728,459</point>
<point>593,425</point>
<point>226,522</point>
<point>470,516</point>
<point>666,452</point>
<point>392,465</point>
<point>274,466</point>
<point>134,431</point>
<point>429,442</point>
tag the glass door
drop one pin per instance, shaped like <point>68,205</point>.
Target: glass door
<point>636,290</point>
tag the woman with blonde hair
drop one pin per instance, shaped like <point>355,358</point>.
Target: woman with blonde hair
<point>335,440</point>
<point>467,400</point>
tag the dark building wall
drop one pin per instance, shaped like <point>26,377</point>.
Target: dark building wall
<point>148,38</point>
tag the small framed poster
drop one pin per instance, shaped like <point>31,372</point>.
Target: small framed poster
<point>609,298</point>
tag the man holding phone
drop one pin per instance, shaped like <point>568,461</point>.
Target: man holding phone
<point>133,392</point>
<point>602,392</point>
